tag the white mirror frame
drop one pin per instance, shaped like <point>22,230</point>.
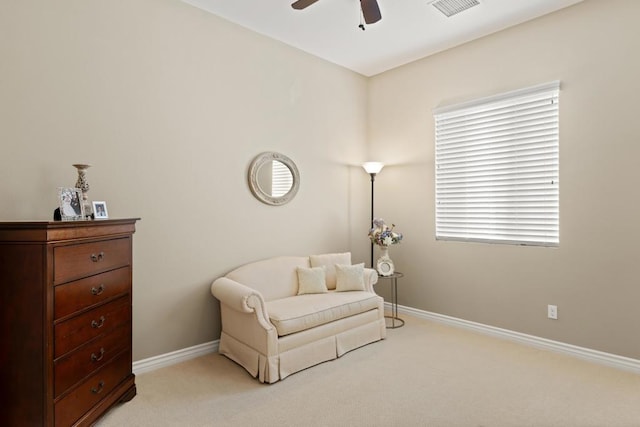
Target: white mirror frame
<point>260,160</point>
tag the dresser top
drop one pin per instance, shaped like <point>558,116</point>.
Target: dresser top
<point>47,231</point>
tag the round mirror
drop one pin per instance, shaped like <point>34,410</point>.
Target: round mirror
<point>273,178</point>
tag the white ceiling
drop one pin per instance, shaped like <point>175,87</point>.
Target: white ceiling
<point>409,29</point>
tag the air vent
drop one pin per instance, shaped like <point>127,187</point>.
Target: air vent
<point>452,7</point>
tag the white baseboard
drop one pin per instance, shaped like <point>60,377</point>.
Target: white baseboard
<point>167,359</point>
<point>608,359</point>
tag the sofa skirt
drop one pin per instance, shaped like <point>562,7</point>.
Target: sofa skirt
<point>306,348</point>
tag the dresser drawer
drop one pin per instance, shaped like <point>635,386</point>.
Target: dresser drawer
<point>90,391</point>
<point>80,363</point>
<point>76,331</point>
<point>81,260</point>
<point>74,296</point>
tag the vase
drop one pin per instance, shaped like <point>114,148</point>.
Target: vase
<point>384,265</point>
<point>83,185</point>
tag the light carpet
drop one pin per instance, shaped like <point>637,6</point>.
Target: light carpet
<point>423,374</point>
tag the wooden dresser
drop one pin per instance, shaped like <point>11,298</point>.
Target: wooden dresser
<point>65,320</point>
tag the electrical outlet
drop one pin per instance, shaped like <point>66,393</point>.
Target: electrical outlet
<point>552,312</point>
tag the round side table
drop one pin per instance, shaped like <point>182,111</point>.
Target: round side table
<point>394,300</point>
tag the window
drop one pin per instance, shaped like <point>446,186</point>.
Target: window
<point>497,168</point>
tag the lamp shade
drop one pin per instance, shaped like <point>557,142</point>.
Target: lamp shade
<point>373,167</point>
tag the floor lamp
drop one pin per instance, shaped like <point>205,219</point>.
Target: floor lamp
<point>372,168</point>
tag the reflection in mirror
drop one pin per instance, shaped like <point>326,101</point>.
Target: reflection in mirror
<point>273,178</point>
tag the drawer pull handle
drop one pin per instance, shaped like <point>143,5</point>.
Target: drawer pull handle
<point>95,358</point>
<point>98,290</point>
<point>97,325</point>
<point>96,258</point>
<point>97,390</point>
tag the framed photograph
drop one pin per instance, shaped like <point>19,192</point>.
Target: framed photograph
<point>71,206</point>
<point>100,210</point>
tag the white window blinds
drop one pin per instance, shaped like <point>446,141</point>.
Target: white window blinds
<point>497,168</point>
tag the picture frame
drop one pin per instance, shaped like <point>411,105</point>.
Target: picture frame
<point>385,267</point>
<point>100,210</point>
<point>70,204</point>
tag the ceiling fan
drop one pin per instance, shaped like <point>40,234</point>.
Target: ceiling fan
<point>370,9</point>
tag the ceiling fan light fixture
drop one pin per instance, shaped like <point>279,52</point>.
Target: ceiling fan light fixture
<point>453,7</point>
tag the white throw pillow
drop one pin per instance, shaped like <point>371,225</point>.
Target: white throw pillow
<point>311,280</point>
<point>329,261</point>
<point>350,277</point>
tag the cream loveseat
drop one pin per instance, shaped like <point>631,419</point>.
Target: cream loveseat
<point>285,314</point>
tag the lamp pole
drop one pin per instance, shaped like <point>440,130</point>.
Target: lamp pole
<point>373,178</point>
<point>372,168</point>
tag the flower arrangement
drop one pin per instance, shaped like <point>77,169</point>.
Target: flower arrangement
<point>383,235</point>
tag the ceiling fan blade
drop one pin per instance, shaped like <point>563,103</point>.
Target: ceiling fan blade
<point>301,4</point>
<point>370,11</point>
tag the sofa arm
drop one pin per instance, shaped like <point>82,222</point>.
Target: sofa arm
<point>370,279</point>
<point>241,298</point>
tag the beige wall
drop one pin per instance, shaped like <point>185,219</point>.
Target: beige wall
<point>170,104</point>
<point>593,277</point>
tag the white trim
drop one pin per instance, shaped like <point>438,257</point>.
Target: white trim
<point>595,356</point>
<point>532,90</point>
<point>167,359</point>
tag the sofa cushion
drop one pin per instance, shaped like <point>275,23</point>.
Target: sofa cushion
<point>349,277</point>
<point>311,280</point>
<point>294,314</point>
<point>329,261</point>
